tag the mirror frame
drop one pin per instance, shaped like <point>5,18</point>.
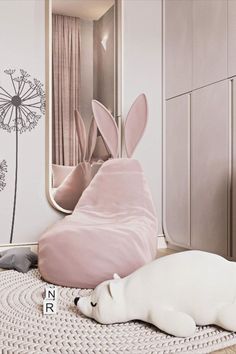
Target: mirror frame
<point>48,92</point>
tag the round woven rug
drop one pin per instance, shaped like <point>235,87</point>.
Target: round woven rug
<point>24,329</point>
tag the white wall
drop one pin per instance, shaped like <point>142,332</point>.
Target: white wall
<point>23,47</point>
<point>142,72</point>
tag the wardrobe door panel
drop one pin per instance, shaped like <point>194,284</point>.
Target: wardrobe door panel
<point>209,168</point>
<point>231,37</point>
<point>176,171</point>
<point>233,214</point>
<point>209,41</point>
<point>178,47</point>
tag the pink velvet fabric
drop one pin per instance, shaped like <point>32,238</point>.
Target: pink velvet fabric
<point>113,229</point>
<point>59,174</point>
<point>71,189</point>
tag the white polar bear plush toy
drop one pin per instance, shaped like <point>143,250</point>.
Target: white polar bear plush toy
<point>175,293</point>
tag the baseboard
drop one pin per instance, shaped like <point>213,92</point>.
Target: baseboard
<point>161,241</point>
<point>33,246</point>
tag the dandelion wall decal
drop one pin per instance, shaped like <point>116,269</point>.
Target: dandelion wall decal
<point>20,111</point>
<point>3,170</point>
<point>17,109</point>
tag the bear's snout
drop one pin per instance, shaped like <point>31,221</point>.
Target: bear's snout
<point>76,299</point>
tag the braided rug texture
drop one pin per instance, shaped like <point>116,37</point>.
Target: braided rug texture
<point>24,329</point>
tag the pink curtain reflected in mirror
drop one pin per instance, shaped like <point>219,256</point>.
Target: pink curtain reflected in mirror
<point>65,88</point>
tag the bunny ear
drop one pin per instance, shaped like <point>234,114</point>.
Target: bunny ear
<point>92,138</point>
<point>135,124</point>
<point>81,133</point>
<point>107,126</point>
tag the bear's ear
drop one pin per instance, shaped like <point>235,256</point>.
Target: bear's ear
<point>116,276</point>
<point>114,288</point>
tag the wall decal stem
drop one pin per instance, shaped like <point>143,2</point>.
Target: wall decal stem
<point>18,113</point>
<point>16,178</point>
<point>3,170</point>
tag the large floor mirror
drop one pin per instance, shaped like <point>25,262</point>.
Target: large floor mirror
<point>82,64</point>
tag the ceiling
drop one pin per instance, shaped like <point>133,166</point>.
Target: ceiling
<point>85,9</point>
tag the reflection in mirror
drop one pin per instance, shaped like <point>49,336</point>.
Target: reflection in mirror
<point>83,67</point>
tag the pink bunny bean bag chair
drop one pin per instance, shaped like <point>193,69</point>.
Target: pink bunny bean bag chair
<point>113,227</point>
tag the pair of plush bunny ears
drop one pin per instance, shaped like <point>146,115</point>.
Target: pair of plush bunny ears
<point>134,126</point>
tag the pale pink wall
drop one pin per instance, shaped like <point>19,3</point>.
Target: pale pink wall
<point>142,72</point>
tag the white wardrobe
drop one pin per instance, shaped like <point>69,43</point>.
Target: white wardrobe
<point>200,124</point>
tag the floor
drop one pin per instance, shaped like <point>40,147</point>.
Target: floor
<point>161,252</point>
